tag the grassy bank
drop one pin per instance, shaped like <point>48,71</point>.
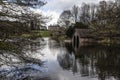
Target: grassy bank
<point>45,33</point>
<point>35,34</point>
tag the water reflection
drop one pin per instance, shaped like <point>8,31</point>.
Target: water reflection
<point>51,60</point>
<point>23,61</point>
<point>100,62</point>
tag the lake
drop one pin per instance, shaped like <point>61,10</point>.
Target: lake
<point>48,59</point>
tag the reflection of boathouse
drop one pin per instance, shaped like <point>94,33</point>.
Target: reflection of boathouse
<point>81,36</point>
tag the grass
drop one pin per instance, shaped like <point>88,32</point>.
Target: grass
<point>45,33</point>
<point>35,33</point>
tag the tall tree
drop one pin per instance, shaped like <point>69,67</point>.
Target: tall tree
<point>93,9</point>
<point>65,18</point>
<point>85,14</point>
<point>75,13</point>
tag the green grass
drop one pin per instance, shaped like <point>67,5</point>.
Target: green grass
<point>36,33</point>
<point>33,34</point>
<point>45,33</point>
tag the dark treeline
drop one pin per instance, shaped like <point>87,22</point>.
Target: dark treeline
<point>18,16</point>
<point>103,18</point>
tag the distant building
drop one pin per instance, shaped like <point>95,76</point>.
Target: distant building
<point>55,28</point>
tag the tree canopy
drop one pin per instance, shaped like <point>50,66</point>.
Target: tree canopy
<point>16,16</point>
<point>29,3</point>
<point>102,18</point>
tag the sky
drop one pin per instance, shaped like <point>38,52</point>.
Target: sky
<point>54,8</point>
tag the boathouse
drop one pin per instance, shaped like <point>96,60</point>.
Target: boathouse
<point>81,36</point>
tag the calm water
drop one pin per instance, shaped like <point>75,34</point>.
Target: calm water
<point>61,62</point>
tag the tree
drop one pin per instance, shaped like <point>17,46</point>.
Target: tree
<point>17,16</point>
<point>70,31</point>
<point>75,11</point>
<point>65,18</point>
<point>80,25</point>
<point>28,3</point>
<point>85,14</point>
<point>93,8</point>
<point>106,20</point>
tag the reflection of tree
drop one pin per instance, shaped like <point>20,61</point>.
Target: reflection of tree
<point>53,44</point>
<point>101,61</point>
<point>108,64</point>
<point>67,61</point>
<point>18,57</point>
<point>69,47</point>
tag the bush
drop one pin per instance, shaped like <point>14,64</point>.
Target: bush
<point>70,31</point>
<point>80,25</point>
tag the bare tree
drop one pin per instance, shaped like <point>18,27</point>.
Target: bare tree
<point>85,14</point>
<point>75,13</point>
<point>93,9</point>
<point>65,18</point>
<point>106,21</point>
<point>18,18</point>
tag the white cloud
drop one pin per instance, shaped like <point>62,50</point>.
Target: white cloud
<point>59,5</point>
<point>55,7</point>
<point>54,17</point>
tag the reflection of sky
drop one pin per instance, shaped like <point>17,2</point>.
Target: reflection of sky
<point>55,71</point>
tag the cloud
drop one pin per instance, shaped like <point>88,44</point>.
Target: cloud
<point>59,5</point>
<point>54,15</point>
<point>55,7</point>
